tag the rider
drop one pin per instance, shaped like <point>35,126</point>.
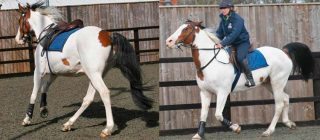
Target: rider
<point>233,32</point>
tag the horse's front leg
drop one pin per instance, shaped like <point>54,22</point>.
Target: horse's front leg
<point>36,86</point>
<point>44,90</point>
<point>222,97</point>
<point>205,105</point>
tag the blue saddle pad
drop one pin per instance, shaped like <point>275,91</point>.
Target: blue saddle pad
<point>59,41</point>
<point>255,61</point>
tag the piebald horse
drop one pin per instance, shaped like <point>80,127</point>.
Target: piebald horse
<point>216,77</point>
<point>90,51</point>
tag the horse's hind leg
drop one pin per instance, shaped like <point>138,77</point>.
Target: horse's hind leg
<point>205,105</point>
<point>285,112</point>
<point>87,100</point>
<point>44,89</point>
<point>36,86</point>
<point>279,98</point>
<point>99,85</point>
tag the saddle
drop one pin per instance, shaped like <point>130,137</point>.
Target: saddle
<point>233,55</point>
<point>61,27</point>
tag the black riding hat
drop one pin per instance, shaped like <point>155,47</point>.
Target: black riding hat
<point>225,4</point>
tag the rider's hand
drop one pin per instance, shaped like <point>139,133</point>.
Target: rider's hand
<point>219,45</point>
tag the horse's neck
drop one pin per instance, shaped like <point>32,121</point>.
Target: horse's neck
<point>39,22</point>
<point>202,41</point>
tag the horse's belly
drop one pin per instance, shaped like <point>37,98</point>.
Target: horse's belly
<point>64,66</point>
<point>76,70</point>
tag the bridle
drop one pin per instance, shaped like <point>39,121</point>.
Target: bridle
<point>25,26</point>
<point>193,47</point>
<point>182,42</point>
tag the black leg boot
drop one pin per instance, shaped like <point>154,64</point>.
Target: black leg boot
<point>247,72</point>
<point>201,129</point>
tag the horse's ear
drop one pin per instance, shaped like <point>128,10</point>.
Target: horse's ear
<point>199,24</point>
<point>28,6</point>
<point>188,20</point>
<point>20,7</point>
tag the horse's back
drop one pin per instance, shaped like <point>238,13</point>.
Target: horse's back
<point>278,60</point>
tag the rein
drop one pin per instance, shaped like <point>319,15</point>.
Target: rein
<point>44,30</point>
<point>181,43</point>
<point>215,56</point>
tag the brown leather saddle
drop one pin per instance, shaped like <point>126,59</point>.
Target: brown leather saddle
<point>61,27</point>
<point>64,26</point>
<point>233,55</point>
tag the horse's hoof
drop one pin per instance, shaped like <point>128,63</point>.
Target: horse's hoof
<point>196,137</point>
<point>104,135</point>
<point>44,112</point>
<point>267,133</point>
<point>291,124</point>
<point>25,123</point>
<point>66,128</point>
<point>236,128</point>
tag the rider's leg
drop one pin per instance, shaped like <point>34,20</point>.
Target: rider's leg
<point>242,52</point>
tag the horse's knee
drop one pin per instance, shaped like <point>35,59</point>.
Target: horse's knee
<point>105,93</point>
<point>87,102</point>
<point>219,117</point>
<point>205,105</point>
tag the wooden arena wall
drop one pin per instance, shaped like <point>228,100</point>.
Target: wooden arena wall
<point>133,19</point>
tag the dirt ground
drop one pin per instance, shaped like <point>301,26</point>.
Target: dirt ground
<point>65,97</point>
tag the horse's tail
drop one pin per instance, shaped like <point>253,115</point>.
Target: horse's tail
<point>125,59</point>
<point>301,57</point>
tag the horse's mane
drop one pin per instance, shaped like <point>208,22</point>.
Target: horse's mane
<point>211,35</point>
<point>52,12</point>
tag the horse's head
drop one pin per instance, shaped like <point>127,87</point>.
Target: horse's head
<point>34,18</point>
<point>24,25</point>
<point>184,35</point>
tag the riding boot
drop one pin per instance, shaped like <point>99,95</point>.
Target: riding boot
<point>247,72</point>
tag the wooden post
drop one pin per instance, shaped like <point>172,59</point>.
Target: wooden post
<point>316,87</point>
<point>136,43</point>
<point>68,14</point>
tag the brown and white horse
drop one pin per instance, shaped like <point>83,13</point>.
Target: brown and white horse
<point>87,51</point>
<point>216,77</point>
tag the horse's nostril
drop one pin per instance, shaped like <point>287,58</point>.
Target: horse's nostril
<point>170,41</point>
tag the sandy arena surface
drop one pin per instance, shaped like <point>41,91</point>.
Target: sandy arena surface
<point>65,97</point>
